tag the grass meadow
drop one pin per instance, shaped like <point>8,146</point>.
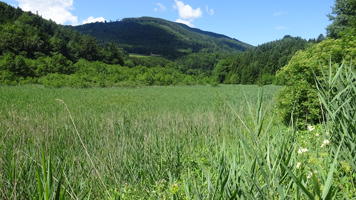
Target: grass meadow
<point>181,142</point>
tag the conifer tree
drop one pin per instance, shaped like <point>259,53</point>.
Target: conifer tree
<point>343,16</point>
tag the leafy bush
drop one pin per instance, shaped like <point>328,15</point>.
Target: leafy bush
<point>298,101</point>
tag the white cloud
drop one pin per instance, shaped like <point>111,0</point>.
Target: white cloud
<point>209,11</point>
<point>186,22</point>
<point>186,11</point>
<point>91,19</point>
<point>57,10</point>
<point>161,7</point>
<point>281,28</point>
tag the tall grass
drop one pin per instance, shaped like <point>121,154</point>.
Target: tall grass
<point>286,164</point>
<point>337,92</point>
<point>168,143</point>
<point>140,139</point>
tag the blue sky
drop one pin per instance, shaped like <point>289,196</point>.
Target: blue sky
<point>254,21</point>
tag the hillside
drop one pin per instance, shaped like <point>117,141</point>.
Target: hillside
<point>148,35</point>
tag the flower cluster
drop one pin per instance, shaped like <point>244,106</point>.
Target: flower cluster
<point>325,142</point>
<point>311,128</point>
<point>298,165</point>
<point>311,174</point>
<point>301,150</point>
<point>311,149</point>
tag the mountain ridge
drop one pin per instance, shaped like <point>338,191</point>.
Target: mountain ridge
<point>147,35</point>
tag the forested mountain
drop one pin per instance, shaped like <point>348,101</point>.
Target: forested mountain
<point>31,36</point>
<point>35,50</point>
<point>259,65</point>
<point>148,35</point>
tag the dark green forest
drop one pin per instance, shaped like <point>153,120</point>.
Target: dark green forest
<point>259,65</point>
<point>38,51</point>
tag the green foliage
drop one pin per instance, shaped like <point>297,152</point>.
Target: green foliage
<point>113,55</point>
<point>148,61</point>
<point>258,65</point>
<point>222,69</point>
<point>197,63</point>
<point>267,79</point>
<point>298,101</point>
<point>98,74</point>
<point>233,79</point>
<point>19,66</point>
<point>55,64</point>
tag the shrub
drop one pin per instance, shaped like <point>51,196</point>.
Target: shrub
<point>298,101</point>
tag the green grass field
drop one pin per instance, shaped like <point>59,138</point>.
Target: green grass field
<point>138,55</point>
<point>133,135</point>
<point>182,142</point>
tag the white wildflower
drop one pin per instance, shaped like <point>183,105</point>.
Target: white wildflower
<point>317,134</point>
<point>311,128</point>
<point>310,175</point>
<point>325,142</point>
<point>298,165</point>
<point>301,150</point>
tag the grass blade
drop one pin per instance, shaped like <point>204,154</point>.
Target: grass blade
<point>327,188</point>
<point>39,185</point>
<point>299,184</point>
